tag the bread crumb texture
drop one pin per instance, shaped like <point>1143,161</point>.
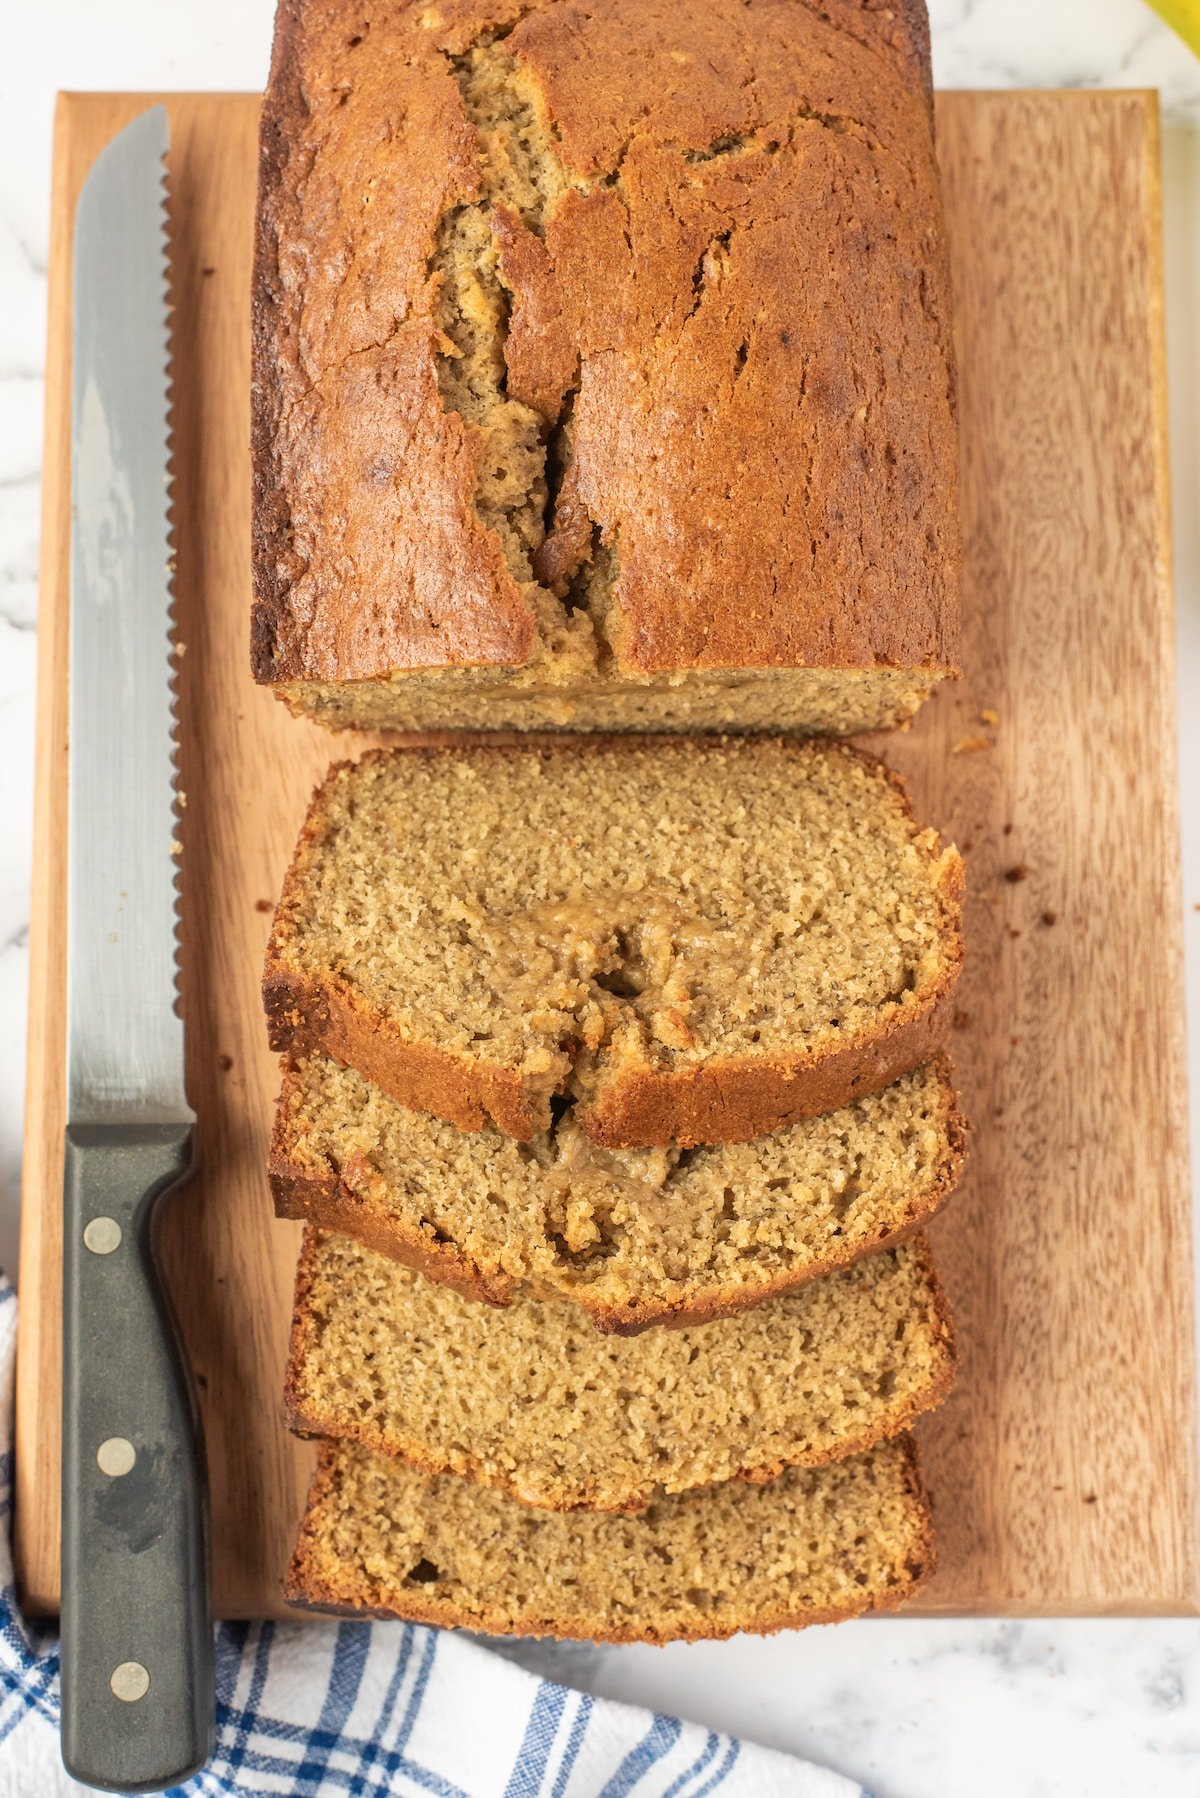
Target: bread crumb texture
<point>696,942</point>
<point>602,369</point>
<point>813,1546</point>
<point>532,1400</point>
<point>632,1236</point>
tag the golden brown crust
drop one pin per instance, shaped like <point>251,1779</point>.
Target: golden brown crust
<point>798,140</point>
<point>901,25</point>
<point>307,1587</point>
<point>308,1421</point>
<point>323,1198</point>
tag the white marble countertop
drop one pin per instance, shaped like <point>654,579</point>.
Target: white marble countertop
<point>915,1709</point>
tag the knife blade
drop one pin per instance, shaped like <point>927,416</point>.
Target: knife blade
<point>137,1650</point>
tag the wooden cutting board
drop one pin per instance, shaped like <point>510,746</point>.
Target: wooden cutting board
<point>1063,1467</point>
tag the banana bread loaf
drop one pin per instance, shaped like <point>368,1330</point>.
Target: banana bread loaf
<point>533,1401</point>
<point>696,941</point>
<point>632,1236</point>
<point>814,1546</point>
<point>602,365</point>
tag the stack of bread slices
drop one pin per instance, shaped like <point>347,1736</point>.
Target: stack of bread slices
<point>615,1101</point>
<point>603,381</point>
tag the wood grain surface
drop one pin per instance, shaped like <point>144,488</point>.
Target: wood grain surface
<point>1063,1466</point>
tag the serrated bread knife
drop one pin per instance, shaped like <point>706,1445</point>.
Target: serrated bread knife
<point>137,1652</point>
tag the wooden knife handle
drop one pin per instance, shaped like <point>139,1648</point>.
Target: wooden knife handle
<point>137,1645</point>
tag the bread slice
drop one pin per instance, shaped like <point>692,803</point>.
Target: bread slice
<point>533,1401</point>
<point>695,942</point>
<point>814,1546</point>
<point>633,1236</point>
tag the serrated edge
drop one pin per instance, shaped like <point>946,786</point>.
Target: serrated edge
<point>168,273</point>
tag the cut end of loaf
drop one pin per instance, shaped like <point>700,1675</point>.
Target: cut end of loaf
<point>819,702</point>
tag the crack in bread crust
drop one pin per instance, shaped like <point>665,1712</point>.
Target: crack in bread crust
<point>554,548</point>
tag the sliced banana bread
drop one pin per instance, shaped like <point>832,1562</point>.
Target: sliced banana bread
<point>634,1236</point>
<point>814,1546</point>
<point>533,1401</point>
<point>696,941</point>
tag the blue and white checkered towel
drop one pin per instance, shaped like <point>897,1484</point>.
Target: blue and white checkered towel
<point>369,1710</point>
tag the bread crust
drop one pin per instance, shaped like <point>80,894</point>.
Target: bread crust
<point>269,524</point>
<point>856,568</point>
<point>324,1199</point>
<point>308,1587</point>
<point>310,1422</point>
